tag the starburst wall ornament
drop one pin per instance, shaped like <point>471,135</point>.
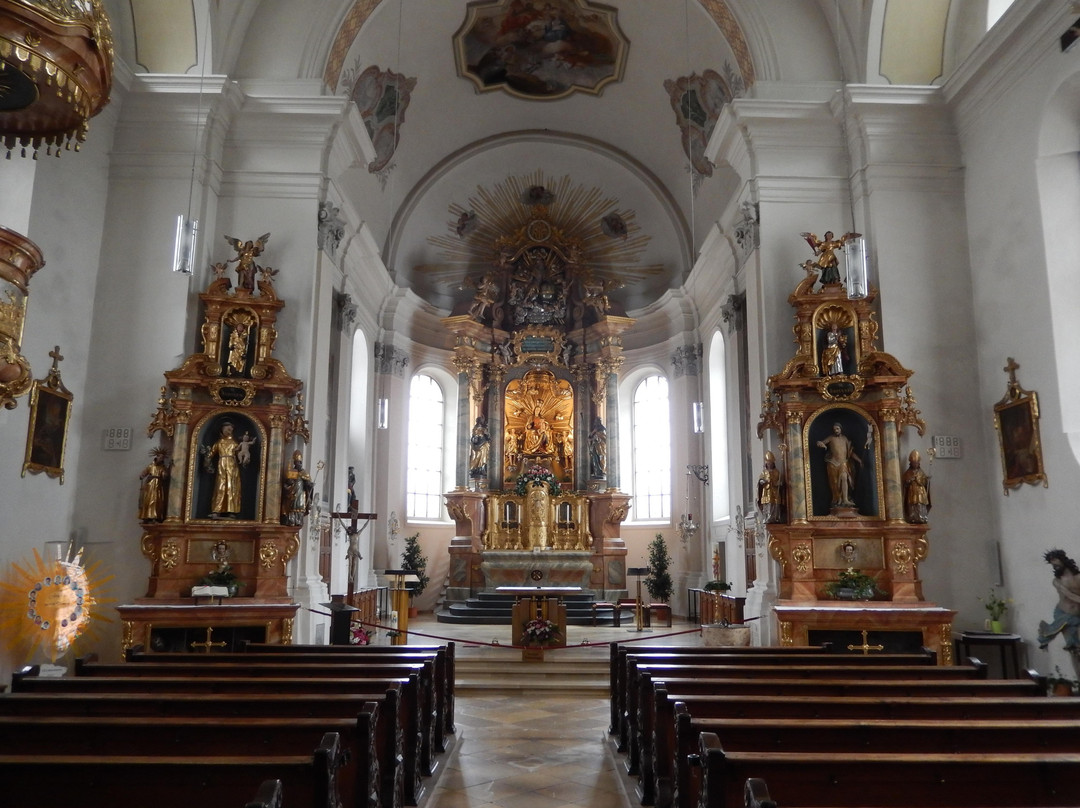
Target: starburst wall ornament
<point>50,605</point>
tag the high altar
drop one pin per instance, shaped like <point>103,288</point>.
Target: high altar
<point>225,494</point>
<point>537,352</point>
<point>838,495</point>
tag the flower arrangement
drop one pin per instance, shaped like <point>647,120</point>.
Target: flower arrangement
<point>853,585</point>
<point>995,605</point>
<point>537,476</point>
<point>222,577</point>
<point>539,631</point>
<point>358,635</point>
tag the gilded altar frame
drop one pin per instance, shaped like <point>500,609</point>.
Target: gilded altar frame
<point>46,437</point>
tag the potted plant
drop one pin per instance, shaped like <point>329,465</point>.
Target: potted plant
<point>853,585</point>
<point>414,560</point>
<point>658,581</point>
<point>717,586</point>
<point>1061,685</point>
<point>996,606</point>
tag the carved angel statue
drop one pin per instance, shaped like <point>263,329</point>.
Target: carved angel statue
<point>825,250</point>
<point>246,253</point>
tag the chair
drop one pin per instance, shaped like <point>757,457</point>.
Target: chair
<point>661,610</point>
<point>604,606</point>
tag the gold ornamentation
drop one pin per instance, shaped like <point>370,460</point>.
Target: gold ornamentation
<point>909,414</point>
<point>146,544</point>
<point>292,545</point>
<point>770,413</point>
<point>801,555</point>
<point>901,556</point>
<point>170,554</point>
<point>223,391</point>
<point>617,513</point>
<point>787,635</point>
<point>922,549</point>
<point>287,631</point>
<point>127,637</point>
<point>841,388</point>
<point>50,413</point>
<point>296,423</point>
<point>457,511</point>
<point>164,419</point>
<point>945,643</point>
<point>268,554</point>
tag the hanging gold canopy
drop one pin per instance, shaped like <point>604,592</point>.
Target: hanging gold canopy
<point>56,64</point>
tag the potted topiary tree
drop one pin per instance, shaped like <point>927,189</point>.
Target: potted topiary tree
<point>414,560</point>
<point>658,581</point>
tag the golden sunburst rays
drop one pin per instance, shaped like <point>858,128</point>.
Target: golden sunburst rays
<point>829,316</point>
<point>609,239</point>
<point>51,605</point>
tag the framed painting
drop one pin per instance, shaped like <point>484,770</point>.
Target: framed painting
<point>1016,419</point>
<point>46,439</point>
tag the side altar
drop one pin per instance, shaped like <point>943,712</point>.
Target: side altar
<point>538,350</point>
<point>838,503</point>
<point>225,494</point>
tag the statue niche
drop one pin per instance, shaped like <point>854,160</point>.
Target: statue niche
<point>539,418</point>
<point>226,461</point>
<point>843,464</point>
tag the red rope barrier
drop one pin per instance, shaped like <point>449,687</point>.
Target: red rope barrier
<point>497,644</point>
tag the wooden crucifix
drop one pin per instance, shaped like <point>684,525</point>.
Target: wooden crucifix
<point>353,530</point>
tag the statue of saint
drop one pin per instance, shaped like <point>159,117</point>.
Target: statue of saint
<point>152,489</point>
<point>296,491</point>
<point>223,463</point>
<point>768,490</point>
<point>825,250</point>
<point>537,434</point>
<point>838,464</point>
<point>598,451</point>
<point>832,361</point>
<point>916,491</point>
<point>480,451</point>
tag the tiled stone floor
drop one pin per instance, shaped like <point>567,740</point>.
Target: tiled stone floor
<point>534,750</point>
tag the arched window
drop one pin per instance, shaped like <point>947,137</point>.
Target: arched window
<point>651,450</point>
<point>424,479</point>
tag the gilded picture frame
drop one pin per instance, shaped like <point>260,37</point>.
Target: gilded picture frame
<point>1016,419</point>
<point>46,438</point>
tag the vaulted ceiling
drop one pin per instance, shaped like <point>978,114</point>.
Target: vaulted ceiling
<point>466,104</point>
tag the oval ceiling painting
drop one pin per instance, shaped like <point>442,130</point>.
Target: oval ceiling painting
<point>540,49</point>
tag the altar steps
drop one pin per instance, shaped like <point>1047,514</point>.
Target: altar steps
<point>496,609</point>
<point>560,672</point>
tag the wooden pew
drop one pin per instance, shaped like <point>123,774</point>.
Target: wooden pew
<point>820,668</point>
<point>330,657</point>
<point>447,653</point>
<point>310,671</point>
<point>357,775</point>
<point>269,795</point>
<point>617,664</point>
<point>621,687</point>
<point>96,779</point>
<point>400,760</point>
<point>691,721</point>
<point>660,744</point>
<point>898,780</point>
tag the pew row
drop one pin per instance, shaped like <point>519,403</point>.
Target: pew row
<point>101,780</point>
<point>357,774</point>
<point>897,780</point>
<point>399,742</point>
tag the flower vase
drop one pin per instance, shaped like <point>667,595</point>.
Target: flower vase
<point>532,653</point>
<point>996,627</point>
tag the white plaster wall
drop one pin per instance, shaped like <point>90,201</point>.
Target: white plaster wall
<point>1001,110</point>
<point>64,211</point>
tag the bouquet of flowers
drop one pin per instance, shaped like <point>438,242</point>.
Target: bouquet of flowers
<point>539,631</point>
<point>358,636</point>
<point>996,606</point>
<point>537,475</point>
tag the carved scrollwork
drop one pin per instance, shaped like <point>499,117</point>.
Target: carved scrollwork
<point>787,635</point>
<point>909,414</point>
<point>901,556</point>
<point>800,365</point>
<point>170,554</point>
<point>617,513</point>
<point>945,642</point>
<point>146,544</point>
<point>292,546</point>
<point>268,554</point>
<point>232,392</point>
<point>841,388</point>
<point>287,631</point>
<point>922,549</point>
<point>770,413</point>
<point>801,555</point>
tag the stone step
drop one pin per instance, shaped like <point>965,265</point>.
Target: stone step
<point>511,675</point>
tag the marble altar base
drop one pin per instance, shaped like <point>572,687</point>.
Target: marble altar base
<point>547,568</point>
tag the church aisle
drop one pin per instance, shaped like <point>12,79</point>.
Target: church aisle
<point>530,751</point>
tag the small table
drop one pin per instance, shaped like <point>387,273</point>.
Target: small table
<point>1008,646</point>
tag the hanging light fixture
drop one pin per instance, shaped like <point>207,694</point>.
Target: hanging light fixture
<point>187,228</point>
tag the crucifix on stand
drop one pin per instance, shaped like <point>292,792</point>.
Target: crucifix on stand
<point>353,530</point>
